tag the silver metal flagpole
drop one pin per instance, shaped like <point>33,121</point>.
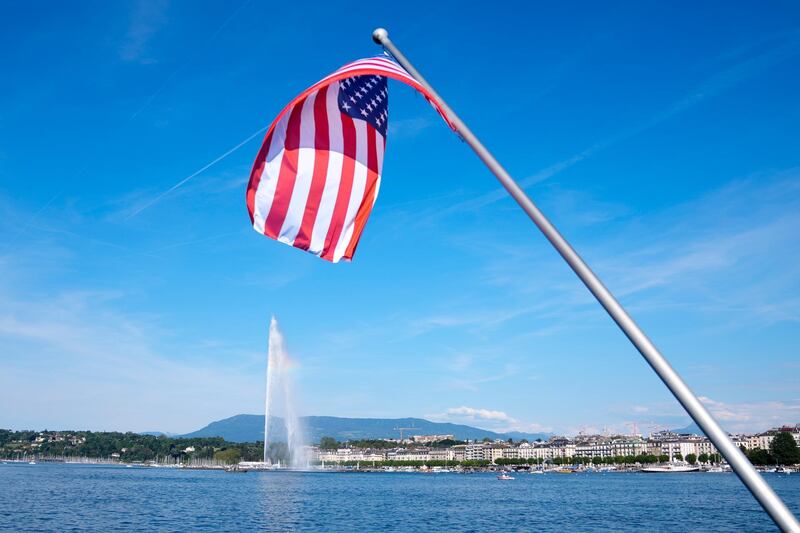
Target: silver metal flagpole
<point>770,501</point>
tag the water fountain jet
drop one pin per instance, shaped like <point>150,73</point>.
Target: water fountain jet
<point>280,393</point>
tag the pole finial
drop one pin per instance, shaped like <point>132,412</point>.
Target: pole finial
<point>379,35</point>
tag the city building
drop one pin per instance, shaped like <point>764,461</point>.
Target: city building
<point>430,439</point>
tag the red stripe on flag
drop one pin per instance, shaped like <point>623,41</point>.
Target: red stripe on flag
<point>286,176</point>
<point>256,173</point>
<point>321,155</point>
<point>345,187</point>
<point>368,199</point>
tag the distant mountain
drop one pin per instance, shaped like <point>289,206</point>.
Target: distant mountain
<point>691,429</point>
<point>250,428</point>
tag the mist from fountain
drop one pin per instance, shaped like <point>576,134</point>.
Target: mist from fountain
<point>280,400</point>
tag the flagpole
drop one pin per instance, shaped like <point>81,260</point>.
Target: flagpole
<point>770,501</point>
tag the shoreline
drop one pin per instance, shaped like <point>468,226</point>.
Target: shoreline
<point>250,467</point>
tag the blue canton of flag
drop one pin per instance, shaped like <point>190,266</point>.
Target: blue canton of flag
<point>366,98</point>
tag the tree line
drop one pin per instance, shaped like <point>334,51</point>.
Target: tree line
<point>783,450</point>
<point>137,447</point>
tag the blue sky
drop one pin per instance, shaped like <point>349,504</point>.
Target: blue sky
<point>663,139</point>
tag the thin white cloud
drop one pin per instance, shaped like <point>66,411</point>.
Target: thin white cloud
<point>712,86</point>
<point>408,127</point>
<point>147,17</point>
<point>719,249</point>
<point>94,367</point>
<point>479,414</point>
<point>753,416</point>
<point>499,421</point>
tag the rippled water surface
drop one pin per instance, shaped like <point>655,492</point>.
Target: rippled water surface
<point>59,497</point>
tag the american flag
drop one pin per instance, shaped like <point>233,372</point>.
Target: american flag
<point>317,175</point>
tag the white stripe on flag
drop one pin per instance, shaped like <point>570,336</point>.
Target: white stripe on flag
<point>357,192</point>
<point>305,171</point>
<point>269,178</point>
<point>334,174</point>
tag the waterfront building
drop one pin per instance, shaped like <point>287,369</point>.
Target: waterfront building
<point>704,446</point>
<point>762,441</point>
<point>409,454</point>
<point>457,452</point>
<point>627,446</point>
<point>510,452</point>
<point>794,431</point>
<point>429,439</point>
<point>347,454</point>
<point>494,451</point>
<point>474,452</point>
<point>676,447</point>
<point>440,454</point>
<point>584,446</point>
<point>525,451</point>
<point>593,449</point>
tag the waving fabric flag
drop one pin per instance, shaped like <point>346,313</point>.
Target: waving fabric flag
<point>317,175</point>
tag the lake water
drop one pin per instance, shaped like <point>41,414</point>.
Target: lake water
<point>58,497</point>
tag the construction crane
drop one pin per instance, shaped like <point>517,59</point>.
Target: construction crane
<point>403,429</point>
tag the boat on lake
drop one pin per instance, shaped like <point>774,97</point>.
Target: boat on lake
<point>505,477</point>
<point>670,468</point>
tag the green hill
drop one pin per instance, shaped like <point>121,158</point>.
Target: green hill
<point>250,428</point>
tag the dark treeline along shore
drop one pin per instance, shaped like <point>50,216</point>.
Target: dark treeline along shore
<point>129,447</point>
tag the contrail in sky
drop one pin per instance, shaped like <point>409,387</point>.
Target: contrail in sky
<point>169,78</point>
<point>196,172</point>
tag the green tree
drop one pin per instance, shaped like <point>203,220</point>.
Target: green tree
<point>328,443</point>
<point>703,458</point>
<point>678,457</point>
<point>228,456</point>
<point>597,460</point>
<point>691,458</point>
<point>784,449</point>
<point>758,456</point>
<point>663,458</point>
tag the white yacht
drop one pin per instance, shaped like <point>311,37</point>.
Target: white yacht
<point>670,468</point>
